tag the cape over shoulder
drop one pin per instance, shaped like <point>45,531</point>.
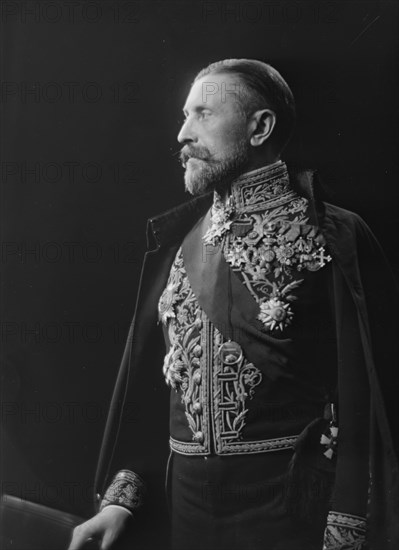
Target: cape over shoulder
<point>361,264</point>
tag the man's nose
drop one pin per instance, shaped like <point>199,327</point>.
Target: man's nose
<point>187,133</point>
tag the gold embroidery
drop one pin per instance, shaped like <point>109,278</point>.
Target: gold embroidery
<point>193,364</point>
<point>232,386</point>
<point>269,250</point>
<point>178,309</point>
<point>126,489</point>
<point>265,236</point>
<point>344,531</point>
<point>265,187</point>
<point>254,190</point>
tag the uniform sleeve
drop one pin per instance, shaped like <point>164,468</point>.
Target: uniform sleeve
<point>126,490</point>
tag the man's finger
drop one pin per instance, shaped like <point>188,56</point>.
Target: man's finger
<point>107,541</point>
<point>80,537</point>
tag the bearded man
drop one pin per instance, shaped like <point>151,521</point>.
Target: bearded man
<point>276,310</point>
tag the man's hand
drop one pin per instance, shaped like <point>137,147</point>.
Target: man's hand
<point>105,528</point>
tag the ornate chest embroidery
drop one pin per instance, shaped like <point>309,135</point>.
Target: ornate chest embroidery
<point>269,249</point>
<point>178,310</point>
<point>265,237</point>
<point>215,390</point>
<point>269,252</point>
<point>249,193</point>
<point>233,384</point>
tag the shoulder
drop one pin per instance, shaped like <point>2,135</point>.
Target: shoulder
<point>355,247</point>
<point>335,220</point>
<point>342,215</point>
<point>341,223</point>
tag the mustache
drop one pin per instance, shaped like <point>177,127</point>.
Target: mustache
<point>187,152</point>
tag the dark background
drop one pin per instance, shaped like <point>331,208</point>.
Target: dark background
<point>91,96</point>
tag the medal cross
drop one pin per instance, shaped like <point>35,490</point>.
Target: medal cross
<point>322,257</point>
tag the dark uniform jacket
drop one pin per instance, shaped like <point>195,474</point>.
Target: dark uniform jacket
<point>366,481</point>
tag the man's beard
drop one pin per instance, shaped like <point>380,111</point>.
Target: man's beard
<point>207,174</point>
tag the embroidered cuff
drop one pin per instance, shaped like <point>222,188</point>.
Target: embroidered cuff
<point>344,532</point>
<point>127,489</point>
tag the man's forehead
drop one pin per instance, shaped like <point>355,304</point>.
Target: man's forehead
<point>213,91</point>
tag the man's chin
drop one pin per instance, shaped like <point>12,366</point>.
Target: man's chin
<point>201,178</point>
<point>197,188</point>
<point>196,183</point>
<point>199,184</point>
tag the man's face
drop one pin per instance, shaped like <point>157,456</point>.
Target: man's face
<point>214,134</point>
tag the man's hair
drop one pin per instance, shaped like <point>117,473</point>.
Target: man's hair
<point>262,87</point>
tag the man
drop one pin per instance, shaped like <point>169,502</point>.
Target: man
<point>276,310</point>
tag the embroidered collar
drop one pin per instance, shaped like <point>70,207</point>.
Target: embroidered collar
<point>259,189</point>
<point>253,190</point>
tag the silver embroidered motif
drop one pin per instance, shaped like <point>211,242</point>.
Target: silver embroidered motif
<point>267,250</point>
<point>221,220</point>
<point>344,531</point>
<point>233,385</point>
<point>126,489</point>
<point>270,248</point>
<point>187,368</point>
<point>250,193</point>
<point>178,309</point>
<point>268,241</point>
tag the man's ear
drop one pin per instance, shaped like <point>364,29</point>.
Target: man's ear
<point>263,123</point>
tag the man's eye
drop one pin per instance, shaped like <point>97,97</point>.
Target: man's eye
<point>204,114</point>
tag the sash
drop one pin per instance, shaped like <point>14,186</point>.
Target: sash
<point>210,277</point>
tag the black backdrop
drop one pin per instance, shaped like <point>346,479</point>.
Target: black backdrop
<point>91,95</point>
